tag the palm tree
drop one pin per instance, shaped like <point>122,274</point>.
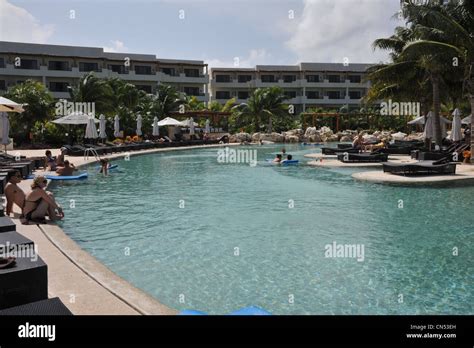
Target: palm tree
<point>264,103</point>
<point>92,89</point>
<point>166,100</point>
<point>452,32</point>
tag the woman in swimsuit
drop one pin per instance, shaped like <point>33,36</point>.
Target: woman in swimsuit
<point>50,161</point>
<point>39,203</point>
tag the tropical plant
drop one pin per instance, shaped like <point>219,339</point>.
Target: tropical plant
<point>39,107</point>
<point>264,104</point>
<point>92,89</point>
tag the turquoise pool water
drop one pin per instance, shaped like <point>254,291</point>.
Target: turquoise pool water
<point>236,242</point>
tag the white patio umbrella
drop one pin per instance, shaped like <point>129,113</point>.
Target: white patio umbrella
<point>208,126</point>
<point>169,121</point>
<point>91,129</point>
<point>456,133</point>
<point>75,118</point>
<point>191,126</point>
<point>156,129</point>
<point>116,126</point>
<point>139,125</point>
<point>8,105</point>
<point>102,121</point>
<point>4,129</point>
<point>466,120</point>
<point>428,132</point>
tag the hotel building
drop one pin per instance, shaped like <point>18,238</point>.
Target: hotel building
<point>307,85</point>
<point>58,67</point>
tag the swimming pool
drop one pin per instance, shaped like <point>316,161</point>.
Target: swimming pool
<point>198,234</point>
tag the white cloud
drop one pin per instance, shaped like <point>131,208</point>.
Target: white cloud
<point>17,24</point>
<point>256,56</point>
<point>329,30</point>
<point>117,46</point>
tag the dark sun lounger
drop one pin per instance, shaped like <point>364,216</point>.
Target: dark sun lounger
<point>441,167</point>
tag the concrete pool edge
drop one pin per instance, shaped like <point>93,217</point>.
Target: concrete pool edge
<point>137,300</point>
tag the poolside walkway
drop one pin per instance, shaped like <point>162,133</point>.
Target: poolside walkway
<point>464,176</point>
<point>82,283</point>
<point>331,161</point>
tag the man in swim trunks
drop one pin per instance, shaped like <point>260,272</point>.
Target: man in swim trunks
<point>277,159</point>
<point>13,193</point>
<point>67,170</point>
<point>39,203</point>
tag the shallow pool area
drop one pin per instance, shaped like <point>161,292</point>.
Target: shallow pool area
<point>199,234</point>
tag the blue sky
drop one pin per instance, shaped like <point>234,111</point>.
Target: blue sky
<point>257,32</point>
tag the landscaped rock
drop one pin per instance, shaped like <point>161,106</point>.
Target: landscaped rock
<point>255,137</point>
<point>242,137</point>
<point>333,137</point>
<point>345,139</point>
<point>315,138</point>
<point>292,139</point>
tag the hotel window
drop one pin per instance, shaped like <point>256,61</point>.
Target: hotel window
<point>289,78</point>
<point>354,78</point>
<point>84,66</point>
<point>222,95</point>
<point>58,65</point>
<point>3,85</point>
<point>118,68</point>
<point>145,88</point>
<point>2,63</point>
<point>242,95</point>
<point>312,78</point>
<point>268,78</point>
<point>312,95</point>
<point>354,94</point>
<point>31,64</point>
<point>191,72</point>
<point>333,94</point>
<point>244,78</point>
<point>191,91</point>
<point>58,86</point>
<point>290,94</point>
<point>168,71</point>
<point>142,70</point>
<point>334,78</point>
<point>222,78</point>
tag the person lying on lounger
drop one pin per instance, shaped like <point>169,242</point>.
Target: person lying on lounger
<point>277,159</point>
<point>39,203</point>
<point>13,193</point>
<point>67,170</point>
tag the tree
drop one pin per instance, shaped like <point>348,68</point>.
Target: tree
<point>39,108</point>
<point>264,104</point>
<point>92,89</point>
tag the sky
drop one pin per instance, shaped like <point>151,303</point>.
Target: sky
<point>223,33</point>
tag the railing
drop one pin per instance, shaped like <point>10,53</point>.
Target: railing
<point>92,151</point>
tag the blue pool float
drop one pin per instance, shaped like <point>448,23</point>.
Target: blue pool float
<point>71,177</point>
<point>284,162</point>
<point>252,310</point>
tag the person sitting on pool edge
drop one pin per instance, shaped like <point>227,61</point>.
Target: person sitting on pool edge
<point>277,159</point>
<point>39,203</point>
<point>60,158</point>
<point>67,170</point>
<point>49,161</point>
<point>13,193</point>
<point>288,158</point>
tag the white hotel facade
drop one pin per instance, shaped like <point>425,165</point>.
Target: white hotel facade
<point>307,85</point>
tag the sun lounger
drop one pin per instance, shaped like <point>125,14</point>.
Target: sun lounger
<point>52,306</point>
<point>441,167</point>
<point>362,157</point>
<point>336,151</point>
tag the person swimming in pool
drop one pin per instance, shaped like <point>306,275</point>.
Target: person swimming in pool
<point>67,170</point>
<point>288,158</point>
<point>39,203</point>
<point>104,166</point>
<point>277,159</point>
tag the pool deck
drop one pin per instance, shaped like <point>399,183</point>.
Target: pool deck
<point>84,284</point>
<point>464,176</point>
<point>331,161</point>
